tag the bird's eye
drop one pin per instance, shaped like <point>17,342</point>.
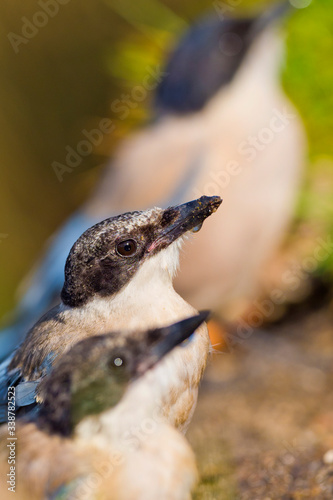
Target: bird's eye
<point>126,248</point>
<point>117,362</point>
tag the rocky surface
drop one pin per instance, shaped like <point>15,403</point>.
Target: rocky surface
<point>263,429</point>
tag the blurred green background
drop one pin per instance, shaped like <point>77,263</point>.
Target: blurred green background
<point>66,77</point>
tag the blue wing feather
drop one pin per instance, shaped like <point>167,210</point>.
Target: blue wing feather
<point>25,391</point>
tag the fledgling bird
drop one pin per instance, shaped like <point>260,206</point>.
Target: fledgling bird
<point>67,445</point>
<point>222,125</point>
<point>118,275</point>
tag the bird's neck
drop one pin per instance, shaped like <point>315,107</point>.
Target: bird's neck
<point>148,300</point>
<point>152,461</point>
<point>264,59</point>
<point>112,426</point>
<point>256,79</point>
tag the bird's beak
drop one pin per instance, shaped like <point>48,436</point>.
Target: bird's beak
<point>179,219</point>
<point>167,339</point>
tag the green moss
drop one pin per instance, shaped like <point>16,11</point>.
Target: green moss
<point>308,76</point>
<point>308,80</point>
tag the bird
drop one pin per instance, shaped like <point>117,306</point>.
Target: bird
<point>66,444</point>
<point>118,276</point>
<point>221,125</point>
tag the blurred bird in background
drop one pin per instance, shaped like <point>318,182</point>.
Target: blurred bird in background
<point>222,126</point>
<point>84,428</point>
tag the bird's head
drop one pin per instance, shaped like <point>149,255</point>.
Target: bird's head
<point>212,47</point>
<point>208,57</point>
<point>93,376</point>
<point>106,257</point>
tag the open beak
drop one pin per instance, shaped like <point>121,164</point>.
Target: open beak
<point>179,219</point>
<point>167,338</point>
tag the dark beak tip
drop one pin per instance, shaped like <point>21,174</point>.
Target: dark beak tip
<point>203,315</point>
<point>215,201</point>
<point>211,202</point>
<point>213,198</point>
<point>189,325</point>
<point>173,335</point>
<point>179,219</point>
